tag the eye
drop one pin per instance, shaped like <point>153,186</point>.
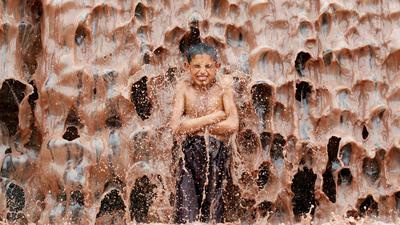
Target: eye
<point>197,66</point>
<point>208,66</point>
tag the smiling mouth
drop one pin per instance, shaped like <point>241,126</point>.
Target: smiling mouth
<point>202,78</point>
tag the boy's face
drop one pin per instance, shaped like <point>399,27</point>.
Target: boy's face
<point>202,69</point>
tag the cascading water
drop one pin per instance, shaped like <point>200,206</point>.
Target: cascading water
<point>86,92</point>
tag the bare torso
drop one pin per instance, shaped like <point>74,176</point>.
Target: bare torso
<point>205,110</point>
<point>203,102</point>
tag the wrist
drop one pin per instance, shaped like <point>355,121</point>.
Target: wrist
<point>220,116</point>
<point>213,118</point>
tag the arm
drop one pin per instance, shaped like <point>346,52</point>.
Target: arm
<point>180,125</point>
<point>178,108</point>
<point>192,125</point>
<point>231,123</point>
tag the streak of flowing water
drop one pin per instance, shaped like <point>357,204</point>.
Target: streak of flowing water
<point>86,94</point>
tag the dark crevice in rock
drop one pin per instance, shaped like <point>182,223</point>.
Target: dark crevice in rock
<point>71,133</point>
<point>353,213</point>
<point>325,23</point>
<point>140,12</point>
<point>6,29</point>
<point>33,97</point>
<point>246,179</point>
<point>77,206</point>
<point>160,54</point>
<point>36,10</point>
<point>232,198</point>
<point>191,38</point>
<point>248,214</point>
<point>141,199</point>
<point>333,148</point>
<point>81,34</point>
<point>325,19</point>
<point>279,109</point>
<point>111,203</point>
<point>368,206</point>
<point>160,51</point>
<point>73,118</point>
<point>15,198</point>
<point>265,208</point>
<point>234,36</point>
<point>263,175</point>
<point>365,133</point>
<point>300,62</point>
<point>248,141</point>
<point>266,139</point>
<point>140,98</point>
<point>72,123</point>
<point>277,147</point>
<point>327,56</point>
<point>345,177</point>
<point>397,198</point>
<point>36,138</point>
<point>371,168</point>
<point>62,197</point>
<point>14,90</point>
<point>77,198</point>
<point>146,58</point>
<point>303,185</point>
<point>17,218</point>
<point>8,151</point>
<point>7,166</point>
<point>171,74</point>
<point>329,186</point>
<point>380,155</point>
<point>11,94</point>
<point>262,100</point>
<point>113,120</point>
<point>303,91</point>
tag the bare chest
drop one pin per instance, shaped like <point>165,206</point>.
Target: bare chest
<point>203,103</point>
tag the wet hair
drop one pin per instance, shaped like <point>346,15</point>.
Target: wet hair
<point>200,49</point>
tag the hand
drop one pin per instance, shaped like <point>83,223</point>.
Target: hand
<point>218,116</point>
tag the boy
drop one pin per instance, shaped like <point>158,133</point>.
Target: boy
<point>205,114</point>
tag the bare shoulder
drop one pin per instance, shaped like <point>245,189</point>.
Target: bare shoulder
<point>226,82</point>
<point>182,86</point>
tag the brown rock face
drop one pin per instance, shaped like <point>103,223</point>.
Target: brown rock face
<point>86,88</point>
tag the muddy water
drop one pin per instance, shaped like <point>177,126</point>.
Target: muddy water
<point>85,97</point>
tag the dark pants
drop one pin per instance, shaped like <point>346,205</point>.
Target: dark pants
<point>199,192</point>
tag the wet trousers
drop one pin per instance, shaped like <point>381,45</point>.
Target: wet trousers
<point>201,179</point>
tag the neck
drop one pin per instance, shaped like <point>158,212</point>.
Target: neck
<point>204,87</point>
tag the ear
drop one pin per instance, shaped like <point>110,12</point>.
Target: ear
<point>186,64</point>
<point>217,65</point>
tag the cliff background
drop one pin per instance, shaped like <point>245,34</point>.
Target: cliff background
<point>86,94</point>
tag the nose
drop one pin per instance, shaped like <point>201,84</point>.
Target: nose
<point>202,70</point>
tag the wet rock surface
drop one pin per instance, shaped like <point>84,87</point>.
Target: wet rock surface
<point>86,89</point>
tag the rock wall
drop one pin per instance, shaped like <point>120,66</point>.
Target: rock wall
<point>86,94</point>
